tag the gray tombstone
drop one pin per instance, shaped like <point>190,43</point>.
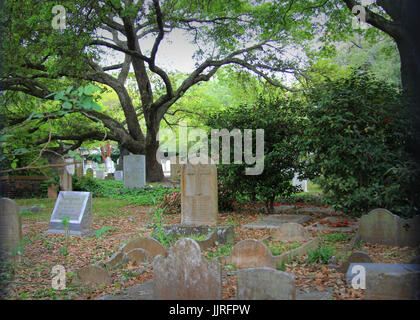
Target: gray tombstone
<point>118,175</point>
<point>134,171</point>
<point>387,281</point>
<point>10,228</point>
<point>99,174</point>
<point>78,207</point>
<point>185,274</point>
<point>265,284</point>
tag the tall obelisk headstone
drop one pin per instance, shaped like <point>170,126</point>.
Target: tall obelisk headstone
<point>199,194</point>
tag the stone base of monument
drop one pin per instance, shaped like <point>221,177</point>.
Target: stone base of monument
<point>71,232</point>
<point>224,233</point>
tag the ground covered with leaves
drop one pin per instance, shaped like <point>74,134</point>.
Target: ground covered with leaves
<point>116,222</point>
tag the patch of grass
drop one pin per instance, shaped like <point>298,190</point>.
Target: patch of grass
<point>223,250</point>
<point>277,248</point>
<point>46,207</point>
<point>335,237</point>
<point>321,255</point>
<point>281,266</point>
<point>195,237</point>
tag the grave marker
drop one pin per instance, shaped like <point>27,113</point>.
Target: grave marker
<point>134,171</point>
<point>186,275</point>
<point>199,194</point>
<point>78,207</point>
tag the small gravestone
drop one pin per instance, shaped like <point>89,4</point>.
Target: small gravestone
<point>52,191</point>
<point>66,181</point>
<point>10,229</point>
<point>387,281</point>
<point>149,244</point>
<point>134,171</point>
<point>78,207</point>
<point>139,256</point>
<point>275,221</point>
<point>186,275</point>
<point>291,232</point>
<point>199,194</point>
<point>382,227</point>
<point>265,284</point>
<point>251,253</point>
<point>355,257</point>
<point>99,174</point>
<point>93,275</point>
<point>118,175</point>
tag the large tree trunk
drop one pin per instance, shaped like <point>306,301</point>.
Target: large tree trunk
<point>154,171</point>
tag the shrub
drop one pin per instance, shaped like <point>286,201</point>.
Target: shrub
<point>356,131</point>
<point>171,202</point>
<point>280,121</point>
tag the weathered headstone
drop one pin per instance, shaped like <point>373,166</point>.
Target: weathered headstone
<point>186,275</point>
<point>251,253</point>
<point>93,275</point>
<point>199,194</point>
<point>275,221</point>
<point>139,256</point>
<point>65,181</point>
<point>134,171</point>
<point>388,281</point>
<point>99,174</point>
<point>291,232</point>
<point>382,227</point>
<point>147,243</point>
<point>52,191</point>
<point>265,284</point>
<point>79,169</point>
<point>355,257</point>
<point>118,175</point>
<point>10,228</point>
<point>78,207</point>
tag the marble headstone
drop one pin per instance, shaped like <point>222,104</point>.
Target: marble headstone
<point>199,194</point>
<point>134,171</point>
<point>78,207</point>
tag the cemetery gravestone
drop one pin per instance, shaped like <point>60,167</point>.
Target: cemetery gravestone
<point>265,284</point>
<point>291,232</point>
<point>186,275</point>
<point>118,175</point>
<point>99,174</point>
<point>134,171</point>
<point>10,228</point>
<point>199,194</point>
<point>388,281</point>
<point>78,207</point>
<point>382,227</point>
<point>65,181</point>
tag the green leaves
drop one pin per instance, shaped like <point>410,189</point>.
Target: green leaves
<point>356,131</point>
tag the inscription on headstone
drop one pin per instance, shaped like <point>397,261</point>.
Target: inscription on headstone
<point>134,174</point>
<point>78,207</point>
<point>199,194</point>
